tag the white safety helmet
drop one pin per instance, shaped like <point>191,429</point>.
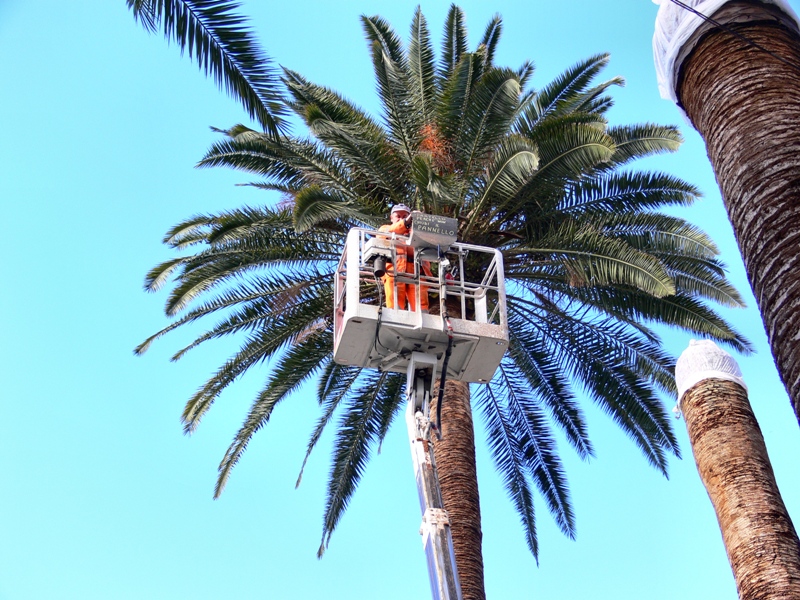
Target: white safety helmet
<point>400,208</point>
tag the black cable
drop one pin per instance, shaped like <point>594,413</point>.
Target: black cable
<point>442,381</point>
<point>744,38</point>
<point>377,339</point>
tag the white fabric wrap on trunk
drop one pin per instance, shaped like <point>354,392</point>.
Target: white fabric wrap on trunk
<point>703,359</point>
<point>674,26</point>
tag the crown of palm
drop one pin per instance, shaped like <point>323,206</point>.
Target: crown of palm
<point>589,260</point>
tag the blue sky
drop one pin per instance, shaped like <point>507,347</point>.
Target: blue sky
<point>102,494</point>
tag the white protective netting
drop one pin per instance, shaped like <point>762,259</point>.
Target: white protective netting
<point>703,359</point>
<point>675,26</point>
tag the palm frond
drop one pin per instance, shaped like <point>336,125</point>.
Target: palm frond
<point>253,155</point>
<point>591,258</point>
<point>260,251</point>
<point>395,395</point>
<point>592,100</point>
<point>188,232</point>
<point>659,233</point>
<point>603,359</point>
<point>259,347</point>
<point>525,72</point>
<point>627,193</point>
<point>269,290</point>
<point>456,93</point>
<point>295,307</point>
<point>491,37</point>
<point>358,430</point>
<point>160,274</point>
<point>505,449</point>
<point>222,44</point>
<point>313,206</point>
<point>635,308</point>
<point>491,110</point>
<point>647,139</point>
<point>377,29</point>
<point>454,43</point>
<point>687,253</point>
<point>329,104</point>
<point>405,123</point>
<point>299,364</point>
<point>514,165</point>
<point>422,69</point>
<point>538,448</point>
<point>436,193</point>
<point>335,383</point>
<point>550,385</point>
<point>692,315</point>
<point>563,91</point>
<point>371,158</point>
<point>570,150</point>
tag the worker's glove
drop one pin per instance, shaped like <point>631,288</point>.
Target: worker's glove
<point>408,220</point>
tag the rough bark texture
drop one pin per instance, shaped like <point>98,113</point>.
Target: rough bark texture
<point>732,460</point>
<point>458,477</point>
<point>746,105</point>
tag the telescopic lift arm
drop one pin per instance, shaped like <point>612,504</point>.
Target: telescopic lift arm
<point>435,530</point>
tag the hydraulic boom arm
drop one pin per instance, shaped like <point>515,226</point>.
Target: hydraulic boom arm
<point>435,529</point>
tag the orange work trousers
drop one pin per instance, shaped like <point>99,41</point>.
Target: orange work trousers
<point>406,292</point>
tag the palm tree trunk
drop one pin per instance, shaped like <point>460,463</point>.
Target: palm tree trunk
<point>746,105</point>
<point>458,478</point>
<point>732,460</point>
<point>761,542</point>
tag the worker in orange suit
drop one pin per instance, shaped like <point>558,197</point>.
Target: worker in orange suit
<point>400,218</point>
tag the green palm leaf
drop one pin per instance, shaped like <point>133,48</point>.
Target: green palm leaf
<point>377,29</point>
<point>568,91</point>
<point>160,274</point>
<point>335,383</point>
<point>512,168</point>
<point>491,36</point>
<point>246,153</point>
<point>314,206</point>
<point>505,449</point>
<point>422,69</point>
<point>642,140</point>
<point>625,193</point>
<point>370,157</point>
<point>568,150</point>
<point>224,48</point>
<point>591,258</point>
<point>601,357</point>
<point>658,233</point>
<point>456,94</point>
<point>435,192</point>
<point>259,346</point>
<point>358,430</point>
<point>329,104</point>
<point>492,109</point>
<point>299,364</point>
<point>550,385</point>
<point>405,123</point>
<point>454,44</point>
<point>537,447</point>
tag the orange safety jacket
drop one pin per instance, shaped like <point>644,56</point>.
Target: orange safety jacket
<point>405,264</point>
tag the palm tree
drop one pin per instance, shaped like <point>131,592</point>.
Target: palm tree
<point>589,262</point>
<point>743,99</point>
<point>760,539</point>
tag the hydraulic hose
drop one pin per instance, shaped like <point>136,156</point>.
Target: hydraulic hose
<point>443,379</point>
